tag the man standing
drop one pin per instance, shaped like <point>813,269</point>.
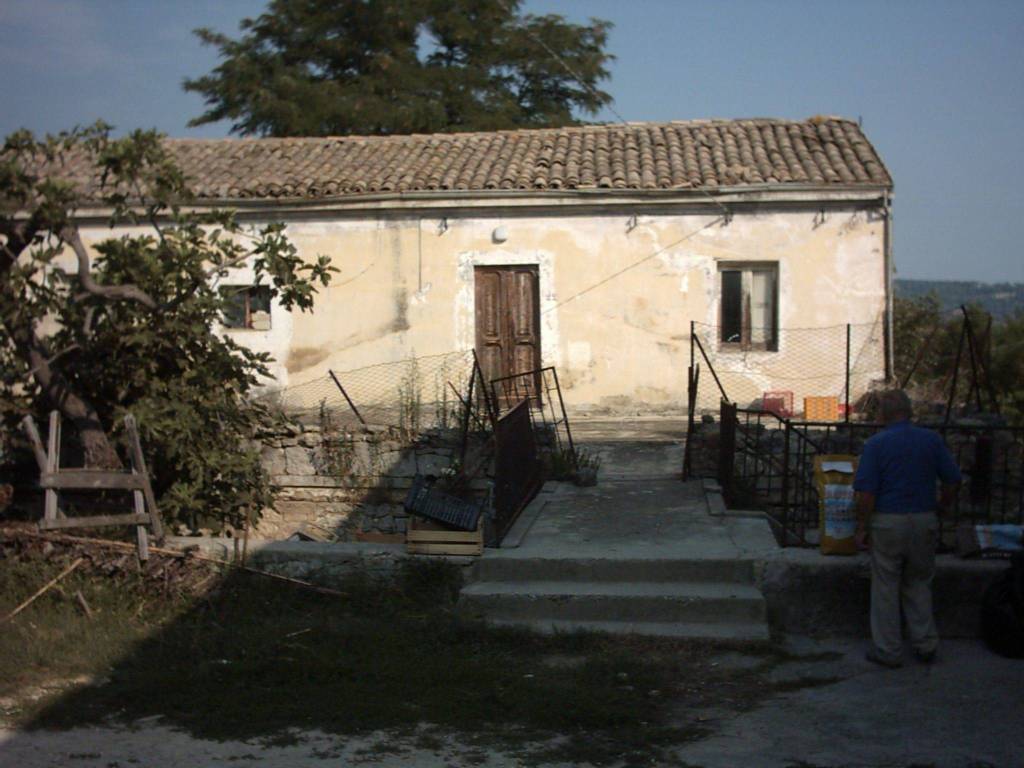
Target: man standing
<point>896,494</point>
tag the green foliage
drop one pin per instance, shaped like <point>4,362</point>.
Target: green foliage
<point>924,338</point>
<point>335,446</point>
<point>570,464</point>
<point>159,358</point>
<point>925,349</point>
<point>410,400</point>
<point>1007,365</point>
<point>336,67</point>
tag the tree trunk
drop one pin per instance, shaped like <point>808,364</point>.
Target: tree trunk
<point>99,453</point>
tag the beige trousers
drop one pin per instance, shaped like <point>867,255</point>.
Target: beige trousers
<point>902,569</point>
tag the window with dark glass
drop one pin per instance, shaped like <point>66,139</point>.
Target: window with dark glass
<point>246,306</point>
<point>749,306</point>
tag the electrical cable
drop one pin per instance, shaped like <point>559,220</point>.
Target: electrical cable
<point>628,267</point>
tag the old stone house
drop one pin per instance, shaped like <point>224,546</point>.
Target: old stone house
<point>588,248</point>
<point>605,251</point>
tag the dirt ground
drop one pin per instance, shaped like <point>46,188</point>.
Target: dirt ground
<point>964,711</point>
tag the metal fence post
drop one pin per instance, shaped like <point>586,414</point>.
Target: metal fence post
<point>466,417</point>
<point>693,352</point>
<point>956,374</point>
<point>348,399</point>
<point>692,375</point>
<point>847,419</point>
<point>726,447</point>
<point>784,516</point>
<point>565,417</point>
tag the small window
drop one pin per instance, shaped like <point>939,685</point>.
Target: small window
<point>246,306</point>
<point>749,302</point>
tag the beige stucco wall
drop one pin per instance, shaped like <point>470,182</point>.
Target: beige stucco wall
<point>617,294</point>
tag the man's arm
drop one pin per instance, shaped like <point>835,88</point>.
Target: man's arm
<point>865,508</point>
<point>866,486</point>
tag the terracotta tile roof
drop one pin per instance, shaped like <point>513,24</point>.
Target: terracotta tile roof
<point>639,156</point>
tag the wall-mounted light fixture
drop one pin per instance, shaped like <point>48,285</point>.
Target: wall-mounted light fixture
<point>631,223</point>
<point>499,235</point>
<point>442,226</point>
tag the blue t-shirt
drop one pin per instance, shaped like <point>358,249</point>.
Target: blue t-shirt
<point>900,466</point>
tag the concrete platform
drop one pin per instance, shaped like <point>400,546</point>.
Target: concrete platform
<point>638,553</point>
<point>591,558</point>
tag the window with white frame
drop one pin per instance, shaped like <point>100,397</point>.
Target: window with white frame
<point>749,299</point>
<point>246,306</point>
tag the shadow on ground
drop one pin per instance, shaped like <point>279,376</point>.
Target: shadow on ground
<point>243,658</point>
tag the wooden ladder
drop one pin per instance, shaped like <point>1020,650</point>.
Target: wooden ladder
<point>52,479</point>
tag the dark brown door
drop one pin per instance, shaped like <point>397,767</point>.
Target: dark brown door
<point>507,320</point>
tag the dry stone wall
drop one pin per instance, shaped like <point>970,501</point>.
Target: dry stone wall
<point>348,486</point>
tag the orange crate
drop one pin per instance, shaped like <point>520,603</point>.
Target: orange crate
<point>821,408</point>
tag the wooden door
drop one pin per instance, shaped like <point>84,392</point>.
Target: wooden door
<point>507,320</point>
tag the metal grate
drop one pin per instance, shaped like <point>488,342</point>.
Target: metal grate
<point>424,501</point>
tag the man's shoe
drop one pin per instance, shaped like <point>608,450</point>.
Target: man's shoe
<point>925,657</point>
<point>875,657</point>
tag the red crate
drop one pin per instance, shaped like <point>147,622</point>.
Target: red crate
<point>778,402</point>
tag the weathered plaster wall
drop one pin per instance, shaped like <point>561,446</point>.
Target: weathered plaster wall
<point>617,291</point>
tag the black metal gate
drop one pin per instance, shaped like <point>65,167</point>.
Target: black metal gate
<point>517,475</point>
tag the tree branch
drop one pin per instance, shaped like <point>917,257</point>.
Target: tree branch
<point>19,234</point>
<point>54,358</point>
<point>98,451</point>
<point>69,234</point>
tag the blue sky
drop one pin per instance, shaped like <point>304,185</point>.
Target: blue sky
<point>939,87</point>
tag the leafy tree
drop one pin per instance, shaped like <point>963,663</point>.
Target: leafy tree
<point>1007,365</point>
<point>133,328</point>
<point>336,67</point>
<point>922,334</point>
<point>926,340</point>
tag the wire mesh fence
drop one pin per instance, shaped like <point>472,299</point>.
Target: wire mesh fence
<point>412,395</point>
<point>768,463</point>
<point>810,372</point>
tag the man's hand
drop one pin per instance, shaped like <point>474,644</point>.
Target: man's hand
<point>860,537</point>
<point>865,508</point>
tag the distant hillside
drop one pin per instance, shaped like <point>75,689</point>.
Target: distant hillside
<point>1000,299</point>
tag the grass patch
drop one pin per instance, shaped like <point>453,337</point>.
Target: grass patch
<point>256,659</point>
<point>52,643</point>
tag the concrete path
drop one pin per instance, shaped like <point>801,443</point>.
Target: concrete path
<point>637,553</point>
<point>965,711</point>
<point>640,508</point>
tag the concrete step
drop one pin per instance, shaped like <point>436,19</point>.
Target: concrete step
<point>501,568</point>
<point>630,602</point>
<point>750,631</point>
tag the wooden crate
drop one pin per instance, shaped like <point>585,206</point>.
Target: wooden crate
<point>821,408</point>
<point>424,537</point>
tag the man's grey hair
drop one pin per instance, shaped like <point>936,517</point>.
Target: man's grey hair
<point>895,405</point>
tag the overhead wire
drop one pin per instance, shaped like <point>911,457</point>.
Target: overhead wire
<point>635,264</point>
<point>726,214</point>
